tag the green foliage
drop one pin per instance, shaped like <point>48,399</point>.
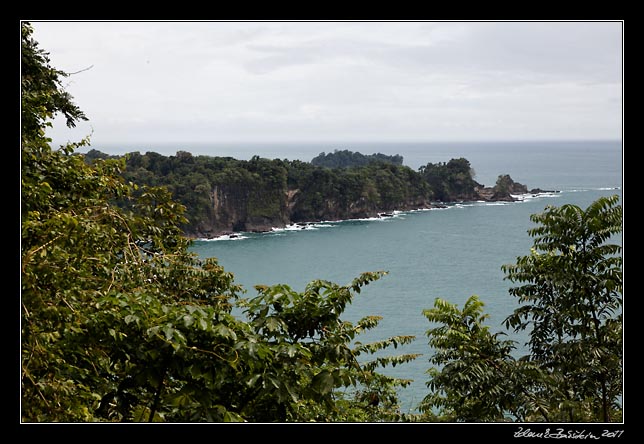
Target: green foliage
<point>475,375</point>
<point>571,304</point>
<point>120,322</point>
<point>451,181</point>
<point>349,159</point>
<point>505,187</point>
<point>314,361</point>
<point>503,184</point>
<point>256,187</point>
<point>225,194</point>
<point>42,95</point>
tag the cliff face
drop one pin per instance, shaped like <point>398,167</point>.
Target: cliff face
<point>244,207</point>
<point>223,195</point>
<point>259,208</point>
<point>238,208</point>
<point>307,210</point>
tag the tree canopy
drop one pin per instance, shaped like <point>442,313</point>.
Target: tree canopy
<point>263,193</point>
<point>121,322</point>
<point>349,159</point>
<point>571,304</point>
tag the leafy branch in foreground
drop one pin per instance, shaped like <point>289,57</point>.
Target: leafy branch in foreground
<point>121,322</point>
<point>571,304</point>
<point>322,364</point>
<point>474,375</point>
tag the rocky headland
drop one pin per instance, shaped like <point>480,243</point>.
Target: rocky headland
<point>223,195</point>
<point>231,207</point>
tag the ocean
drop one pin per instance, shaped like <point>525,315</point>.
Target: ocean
<point>449,253</point>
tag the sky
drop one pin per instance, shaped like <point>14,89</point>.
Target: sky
<point>299,81</point>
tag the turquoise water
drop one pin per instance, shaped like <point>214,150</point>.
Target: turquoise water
<point>448,253</point>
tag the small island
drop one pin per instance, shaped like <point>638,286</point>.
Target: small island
<point>225,196</point>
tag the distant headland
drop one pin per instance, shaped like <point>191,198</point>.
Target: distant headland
<point>223,195</point>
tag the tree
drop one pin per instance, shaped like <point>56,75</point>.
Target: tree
<point>121,322</point>
<point>475,378</point>
<point>451,181</point>
<point>315,354</point>
<point>100,281</point>
<point>42,94</point>
<point>571,302</point>
<point>350,159</point>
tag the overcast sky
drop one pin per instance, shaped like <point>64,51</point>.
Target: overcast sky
<point>149,82</point>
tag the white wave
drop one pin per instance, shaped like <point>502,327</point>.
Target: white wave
<point>303,226</point>
<point>293,227</point>
<point>420,210</point>
<point>389,215</point>
<point>530,196</point>
<point>234,236</point>
<point>381,217</point>
<point>322,225</point>
<point>581,190</point>
<point>365,219</point>
<point>384,216</point>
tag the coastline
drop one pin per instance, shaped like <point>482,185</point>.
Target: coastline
<point>375,216</point>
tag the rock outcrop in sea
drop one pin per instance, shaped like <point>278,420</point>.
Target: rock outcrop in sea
<point>505,190</point>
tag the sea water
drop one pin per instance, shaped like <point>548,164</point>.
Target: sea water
<point>449,253</point>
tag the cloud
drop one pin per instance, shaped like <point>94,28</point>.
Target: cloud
<point>359,80</point>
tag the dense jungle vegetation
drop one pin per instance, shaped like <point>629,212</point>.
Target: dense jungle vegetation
<point>262,193</point>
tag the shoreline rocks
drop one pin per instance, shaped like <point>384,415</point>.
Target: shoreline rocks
<point>486,194</point>
<point>239,209</point>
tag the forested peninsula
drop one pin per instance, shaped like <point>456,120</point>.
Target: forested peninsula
<point>223,195</point>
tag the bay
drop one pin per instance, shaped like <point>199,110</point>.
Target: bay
<point>449,253</point>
